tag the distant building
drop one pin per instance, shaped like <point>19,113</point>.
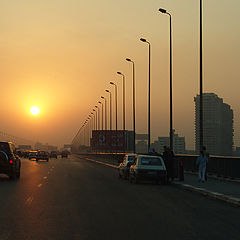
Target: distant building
<point>217,125</point>
<point>141,146</point>
<point>178,144</point>
<point>25,147</point>
<point>46,147</point>
<point>141,143</point>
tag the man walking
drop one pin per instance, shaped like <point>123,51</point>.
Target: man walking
<point>202,164</point>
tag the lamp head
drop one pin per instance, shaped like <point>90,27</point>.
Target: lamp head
<point>119,73</point>
<point>112,83</point>
<point>99,102</point>
<point>128,59</point>
<point>162,10</point>
<point>102,97</point>
<point>143,40</point>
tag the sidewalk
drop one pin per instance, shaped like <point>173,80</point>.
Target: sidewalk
<point>215,188</point>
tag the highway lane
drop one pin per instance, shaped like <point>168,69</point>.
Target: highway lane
<point>77,199</point>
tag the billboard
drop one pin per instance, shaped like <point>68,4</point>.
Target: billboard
<point>110,140</point>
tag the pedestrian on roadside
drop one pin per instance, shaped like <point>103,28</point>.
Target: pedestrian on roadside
<point>168,160</point>
<point>206,154</point>
<point>202,164</point>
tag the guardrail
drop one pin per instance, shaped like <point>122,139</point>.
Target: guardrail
<point>221,166</point>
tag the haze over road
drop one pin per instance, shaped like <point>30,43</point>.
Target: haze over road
<point>77,199</point>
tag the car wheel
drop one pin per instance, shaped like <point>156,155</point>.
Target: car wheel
<point>136,179</point>
<point>13,176</point>
<point>130,178</point>
<point>18,174</point>
<point>164,181</point>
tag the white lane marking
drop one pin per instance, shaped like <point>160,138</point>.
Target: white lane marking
<point>39,185</point>
<point>29,201</point>
<point>103,163</point>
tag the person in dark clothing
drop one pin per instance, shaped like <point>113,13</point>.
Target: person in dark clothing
<point>207,155</point>
<point>168,160</point>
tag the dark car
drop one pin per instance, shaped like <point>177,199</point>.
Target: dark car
<point>148,168</point>
<point>53,154</point>
<point>42,155</point>
<point>64,153</point>
<point>123,168</point>
<point>10,163</point>
<point>32,155</point>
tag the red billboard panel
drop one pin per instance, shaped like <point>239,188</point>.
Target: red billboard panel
<point>109,140</point>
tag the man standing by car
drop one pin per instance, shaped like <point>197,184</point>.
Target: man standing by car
<point>168,160</point>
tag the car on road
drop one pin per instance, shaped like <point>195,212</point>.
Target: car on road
<point>64,153</point>
<point>42,155</point>
<point>148,167</point>
<point>32,155</point>
<point>53,154</point>
<point>124,166</point>
<point>10,163</point>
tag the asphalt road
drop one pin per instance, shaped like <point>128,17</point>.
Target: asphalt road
<point>77,199</point>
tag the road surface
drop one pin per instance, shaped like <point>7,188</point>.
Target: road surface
<point>77,199</point>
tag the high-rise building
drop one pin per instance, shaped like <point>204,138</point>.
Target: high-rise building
<point>217,125</point>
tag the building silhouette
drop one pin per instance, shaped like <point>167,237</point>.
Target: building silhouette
<point>178,144</point>
<point>217,125</point>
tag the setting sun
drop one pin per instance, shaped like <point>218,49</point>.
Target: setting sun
<point>35,110</point>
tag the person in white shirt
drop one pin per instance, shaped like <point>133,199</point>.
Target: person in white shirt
<point>202,164</point>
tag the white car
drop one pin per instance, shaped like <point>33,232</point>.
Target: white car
<point>123,168</point>
<point>148,167</point>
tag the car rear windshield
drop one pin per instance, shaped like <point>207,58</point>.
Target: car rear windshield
<point>131,158</point>
<point>151,161</point>
<point>4,147</point>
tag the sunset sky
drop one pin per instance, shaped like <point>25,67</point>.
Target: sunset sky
<point>60,55</point>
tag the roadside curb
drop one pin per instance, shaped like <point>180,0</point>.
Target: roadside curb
<point>216,177</point>
<point>215,195</point>
<point>106,164</point>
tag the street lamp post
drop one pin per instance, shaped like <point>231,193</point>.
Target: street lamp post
<point>201,82</point>
<point>84,133</point>
<point>102,113</point>
<point>96,128</point>
<point>98,124</point>
<point>134,127</point>
<point>89,129</point>
<point>115,102</point>
<point>105,111</point>
<point>116,112</point>
<point>110,108</point>
<point>124,108</point>
<point>171,101</point>
<point>149,77</point>
<point>93,121</point>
